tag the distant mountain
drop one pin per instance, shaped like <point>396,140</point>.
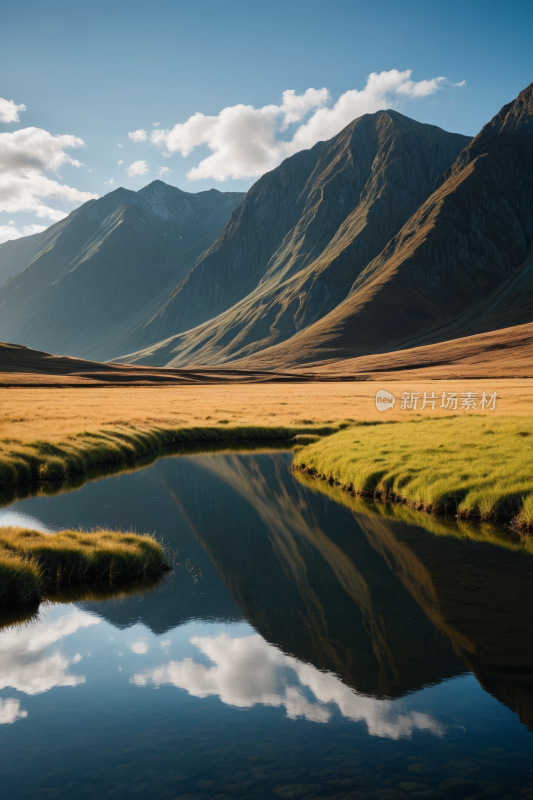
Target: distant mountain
<point>301,237</point>
<point>461,265</point>
<point>82,285</point>
<point>392,235</point>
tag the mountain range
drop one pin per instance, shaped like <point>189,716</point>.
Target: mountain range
<point>393,235</point>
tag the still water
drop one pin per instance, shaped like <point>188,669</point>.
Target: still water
<point>301,649</point>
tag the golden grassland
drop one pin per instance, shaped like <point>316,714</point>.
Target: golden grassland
<point>32,562</point>
<point>472,467</point>
<point>48,434</point>
<point>52,413</point>
<point>470,464</point>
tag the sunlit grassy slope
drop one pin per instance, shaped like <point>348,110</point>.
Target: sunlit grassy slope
<point>31,561</point>
<point>472,466</point>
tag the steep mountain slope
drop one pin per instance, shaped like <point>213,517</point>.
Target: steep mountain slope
<point>80,286</point>
<point>301,237</point>
<point>461,265</point>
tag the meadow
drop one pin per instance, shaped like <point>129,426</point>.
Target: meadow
<point>34,563</point>
<point>465,467</point>
<point>53,433</point>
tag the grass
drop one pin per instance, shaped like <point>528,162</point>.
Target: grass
<point>470,467</point>
<point>41,460</point>
<point>54,433</point>
<point>34,563</point>
<point>471,529</point>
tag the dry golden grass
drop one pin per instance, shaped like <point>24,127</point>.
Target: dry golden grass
<point>51,433</point>
<point>49,414</point>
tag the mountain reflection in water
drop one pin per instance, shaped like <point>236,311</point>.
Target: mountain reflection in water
<point>286,603</point>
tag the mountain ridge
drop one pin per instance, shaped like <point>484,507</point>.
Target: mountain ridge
<point>81,282</point>
<point>291,251</point>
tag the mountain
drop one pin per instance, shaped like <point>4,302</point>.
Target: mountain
<point>461,265</point>
<point>392,236</point>
<point>81,285</point>
<point>301,237</point>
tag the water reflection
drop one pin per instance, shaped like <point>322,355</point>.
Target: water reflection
<point>25,664</point>
<point>301,609</point>
<point>248,671</point>
<point>10,711</point>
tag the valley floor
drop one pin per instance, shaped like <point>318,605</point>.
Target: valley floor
<point>50,434</point>
<point>28,414</point>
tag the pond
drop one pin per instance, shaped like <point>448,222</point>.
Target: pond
<point>300,649</point>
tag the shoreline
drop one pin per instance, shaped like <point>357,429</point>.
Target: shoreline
<point>515,527</point>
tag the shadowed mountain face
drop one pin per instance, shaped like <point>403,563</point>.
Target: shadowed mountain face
<point>461,265</point>
<point>84,284</point>
<point>301,237</point>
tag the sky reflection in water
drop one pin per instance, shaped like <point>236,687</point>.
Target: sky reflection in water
<point>294,631</point>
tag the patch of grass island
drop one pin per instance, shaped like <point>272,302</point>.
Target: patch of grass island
<point>470,467</point>
<point>34,563</point>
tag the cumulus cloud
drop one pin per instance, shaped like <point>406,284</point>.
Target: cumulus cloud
<point>138,136</point>
<point>139,647</point>
<point>163,171</point>
<point>110,182</point>
<point>463,83</point>
<point>248,671</point>
<point>120,162</point>
<point>156,124</point>
<point>245,140</point>
<point>8,232</point>
<point>9,111</point>
<point>27,665</point>
<point>25,155</point>
<point>10,711</point>
<point>137,168</point>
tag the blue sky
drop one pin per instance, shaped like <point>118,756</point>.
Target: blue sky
<point>101,70</point>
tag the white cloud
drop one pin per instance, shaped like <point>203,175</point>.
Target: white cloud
<point>244,140</point>
<point>25,664</point>
<point>120,145</point>
<point>156,124</point>
<point>24,156</point>
<point>139,647</point>
<point>138,136</point>
<point>8,232</point>
<point>10,711</point>
<point>463,83</point>
<point>137,168</point>
<point>248,671</point>
<point>9,112</point>
<point>110,182</point>
<point>120,162</point>
<point>163,171</point>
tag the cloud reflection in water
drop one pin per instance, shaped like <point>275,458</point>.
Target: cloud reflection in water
<point>10,711</point>
<point>248,671</point>
<point>27,667</point>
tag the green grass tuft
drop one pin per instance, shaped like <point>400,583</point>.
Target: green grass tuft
<point>32,563</point>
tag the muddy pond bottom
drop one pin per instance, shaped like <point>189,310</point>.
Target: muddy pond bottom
<point>304,647</point>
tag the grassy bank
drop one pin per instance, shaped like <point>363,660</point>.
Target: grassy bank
<point>52,460</point>
<point>33,563</point>
<point>471,467</point>
<point>471,529</point>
